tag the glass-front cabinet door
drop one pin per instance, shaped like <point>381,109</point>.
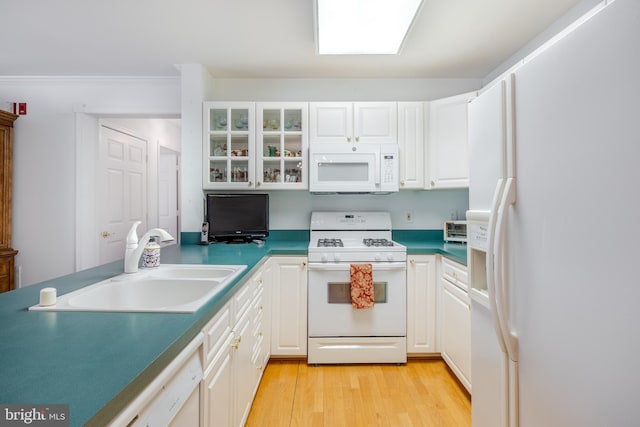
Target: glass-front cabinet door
<point>282,145</point>
<point>229,145</point>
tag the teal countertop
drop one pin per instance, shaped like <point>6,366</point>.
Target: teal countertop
<point>98,362</point>
<point>430,242</point>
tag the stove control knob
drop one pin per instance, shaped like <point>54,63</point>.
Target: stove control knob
<point>389,257</point>
<point>324,258</point>
<point>336,257</point>
<point>377,257</point>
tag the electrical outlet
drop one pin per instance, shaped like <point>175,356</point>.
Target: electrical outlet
<point>408,216</point>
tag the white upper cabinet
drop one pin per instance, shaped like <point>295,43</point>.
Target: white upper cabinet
<point>448,151</point>
<point>281,145</point>
<point>250,146</point>
<point>411,144</point>
<point>353,122</point>
<point>228,146</point>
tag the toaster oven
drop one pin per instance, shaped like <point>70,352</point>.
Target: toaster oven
<point>455,231</point>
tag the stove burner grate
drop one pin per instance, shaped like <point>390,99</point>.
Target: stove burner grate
<point>330,243</point>
<point>377,242</point>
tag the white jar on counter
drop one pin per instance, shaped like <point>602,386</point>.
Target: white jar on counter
<point>151,254</point>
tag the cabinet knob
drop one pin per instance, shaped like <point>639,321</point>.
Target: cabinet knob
<point>304,264</point>
<point>236,343</point>
<point>105,234</point>
<point>402,182</point>
<point>258,184</point>
<point>357,139</point>
<point>250,183</point>
<point>348,139</point>
<point>433,183</point>
<point>412,262</point>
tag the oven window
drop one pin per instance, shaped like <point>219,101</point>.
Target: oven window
<point>340,292</point>
<point>343,172</point>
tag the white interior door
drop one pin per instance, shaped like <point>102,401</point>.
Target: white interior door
<point>168,173</point>
<point>123,167</point>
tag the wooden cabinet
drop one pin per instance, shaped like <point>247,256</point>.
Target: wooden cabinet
<point>353,122</point>
<point>289,306</point>
<point>411,144</point>
<point>448,152</point>
<point>421,304</point>
<point>7,253</point>
<point>456,320</point>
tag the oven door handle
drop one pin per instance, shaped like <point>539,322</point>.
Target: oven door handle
<point>345,266</point>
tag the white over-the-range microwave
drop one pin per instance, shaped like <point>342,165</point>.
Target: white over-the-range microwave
<point>353,168</point>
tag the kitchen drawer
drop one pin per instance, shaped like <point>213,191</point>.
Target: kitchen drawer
<point>258,307</point>
<point>256,333</point>
<point>242,301</point>
<point>215,333</point>
<point>455,273</point>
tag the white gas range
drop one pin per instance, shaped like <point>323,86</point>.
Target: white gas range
<point>338,332</point>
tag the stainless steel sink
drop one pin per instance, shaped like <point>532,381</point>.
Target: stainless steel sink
<point>170,288</point>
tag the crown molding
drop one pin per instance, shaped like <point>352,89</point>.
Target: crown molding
<point>91,80</point>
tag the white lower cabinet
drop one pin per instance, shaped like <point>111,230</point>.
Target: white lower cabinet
<point>456,321</point>
<point>289,306</point>
<point>421,304</point>
<point>235,354</point>
<point>261,323</point>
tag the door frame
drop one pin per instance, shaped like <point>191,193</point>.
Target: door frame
<point>87,181</point>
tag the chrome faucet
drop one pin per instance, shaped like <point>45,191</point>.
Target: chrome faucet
<point>134,248</point>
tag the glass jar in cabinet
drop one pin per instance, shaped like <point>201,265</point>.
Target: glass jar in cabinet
<point>228,146</point>
<point>282,145</point>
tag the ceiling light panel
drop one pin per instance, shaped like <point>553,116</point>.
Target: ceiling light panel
<point>361,27</point>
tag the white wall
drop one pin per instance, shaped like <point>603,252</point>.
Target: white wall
<point>157,132</point>
<point>560,24</point>
<point>337,89</point>
<point>292,209</point>
<point>44,208</point>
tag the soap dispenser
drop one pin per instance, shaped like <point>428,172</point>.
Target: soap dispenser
<point>151,254</point>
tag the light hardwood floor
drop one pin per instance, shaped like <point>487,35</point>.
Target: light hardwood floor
<point>420,393</point>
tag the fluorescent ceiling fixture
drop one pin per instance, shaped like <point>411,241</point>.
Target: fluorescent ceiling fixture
<point>363,26</point>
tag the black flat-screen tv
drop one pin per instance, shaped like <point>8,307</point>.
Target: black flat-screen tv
<point>238,217</point>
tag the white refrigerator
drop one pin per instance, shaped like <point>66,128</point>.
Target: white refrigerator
<point>554,214</point>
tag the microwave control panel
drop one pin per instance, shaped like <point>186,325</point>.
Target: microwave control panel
<point>389,171</point>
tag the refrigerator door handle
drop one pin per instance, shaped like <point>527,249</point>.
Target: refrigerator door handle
<point>509,337</point>
<point>491,286</point>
